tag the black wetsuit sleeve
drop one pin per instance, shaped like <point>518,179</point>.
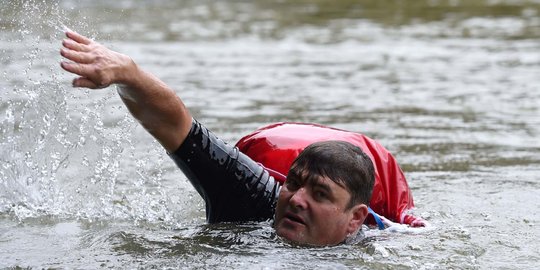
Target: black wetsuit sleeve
<point>233,186</point>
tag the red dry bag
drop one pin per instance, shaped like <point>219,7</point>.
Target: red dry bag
<point>276,147</point>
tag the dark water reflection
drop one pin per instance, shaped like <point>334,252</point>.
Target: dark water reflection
<point>450,87</point>
<point>215,20</point>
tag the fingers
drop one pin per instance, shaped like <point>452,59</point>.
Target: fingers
<point>83,54</point>
<point>75,68</point>
<point>90,76</point>
<point>85,83</point>
<point>72,45</point>
<point>77,57</point>
<point>78,37</point>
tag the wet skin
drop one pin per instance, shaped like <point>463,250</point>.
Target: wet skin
<point>314,211</point>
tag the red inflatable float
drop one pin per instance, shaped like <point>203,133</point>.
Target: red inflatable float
<point>276,146</point>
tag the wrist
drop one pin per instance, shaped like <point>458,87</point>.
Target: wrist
<point>128,73</point>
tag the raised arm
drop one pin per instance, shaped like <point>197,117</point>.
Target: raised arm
<point>150,101</point>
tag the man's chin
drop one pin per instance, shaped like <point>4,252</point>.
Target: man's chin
<point>299,238</point>
<point>293,237</point>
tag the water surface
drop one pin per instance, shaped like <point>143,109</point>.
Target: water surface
<point>450,87</point>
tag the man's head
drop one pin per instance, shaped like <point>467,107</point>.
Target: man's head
<point>326,194</point>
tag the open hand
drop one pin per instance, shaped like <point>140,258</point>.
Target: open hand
<point>97,66</point>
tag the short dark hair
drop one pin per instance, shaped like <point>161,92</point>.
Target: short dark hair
<point>343,163</point>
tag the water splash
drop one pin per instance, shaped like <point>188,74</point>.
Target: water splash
<point>57,156</point>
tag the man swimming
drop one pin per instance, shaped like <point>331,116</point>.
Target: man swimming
<point>328,187</point>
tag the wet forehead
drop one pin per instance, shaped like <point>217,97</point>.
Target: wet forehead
<point>316,180</point>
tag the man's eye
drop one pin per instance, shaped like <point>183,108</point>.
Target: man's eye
<point>320,195</point>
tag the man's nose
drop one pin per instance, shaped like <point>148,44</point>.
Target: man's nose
<point>299,198</point>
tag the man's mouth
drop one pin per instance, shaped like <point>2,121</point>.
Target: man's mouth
<point>295,218</point>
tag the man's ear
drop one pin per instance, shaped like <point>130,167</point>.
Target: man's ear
<point>359,213</point>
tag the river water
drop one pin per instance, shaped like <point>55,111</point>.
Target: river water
<point>450,87</point>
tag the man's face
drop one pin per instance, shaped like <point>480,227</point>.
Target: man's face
<point>314,211</point>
